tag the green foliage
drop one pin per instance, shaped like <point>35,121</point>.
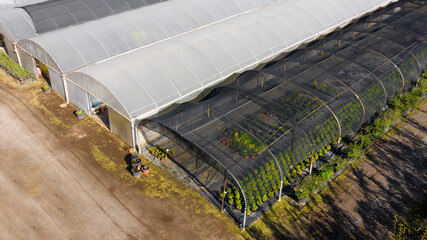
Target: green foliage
<point>264,197</point>
<point>254,207</point>
<point>239,206</point>
<point>354,150</point>
<point>259,201</point>
<point>13,68</point>
<point>415,226</point>
<point>248,211</point>
<point>230,200</point>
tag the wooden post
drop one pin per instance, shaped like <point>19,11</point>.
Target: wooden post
<point>262,79</point>
<point>311,162</point>
<point>209,111</point>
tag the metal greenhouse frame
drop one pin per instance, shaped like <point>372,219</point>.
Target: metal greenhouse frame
<point>258,128</point>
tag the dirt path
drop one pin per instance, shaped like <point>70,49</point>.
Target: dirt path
<point>363,204</point>
<point>52,188</point>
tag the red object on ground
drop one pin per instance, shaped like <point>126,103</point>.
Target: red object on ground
<point>101,109</point>
<point>145,169</point>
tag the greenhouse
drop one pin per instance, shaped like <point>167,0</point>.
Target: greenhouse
<point>179,68</point>
<point>257,130</point>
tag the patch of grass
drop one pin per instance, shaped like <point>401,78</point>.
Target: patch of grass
<point>103,159</point>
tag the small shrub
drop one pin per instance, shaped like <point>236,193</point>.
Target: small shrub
<point>270,194</point>
<point>259,201</point>
<point>264,197</point>
<point>230,200</point>
<point>254,207</point>
<point>248,211</point>
<point>239,206</point>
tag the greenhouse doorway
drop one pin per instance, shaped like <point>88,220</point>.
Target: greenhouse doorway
<point>99,111</point>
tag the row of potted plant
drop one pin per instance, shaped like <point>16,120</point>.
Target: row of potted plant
<point>161,153</point>
<point>242,143</point>
<point>19,73</point>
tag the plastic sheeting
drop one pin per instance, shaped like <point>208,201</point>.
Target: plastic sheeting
<point>151,78</point>
<point>4,4</point>
<point>77,46</point>
<point>16,24</point>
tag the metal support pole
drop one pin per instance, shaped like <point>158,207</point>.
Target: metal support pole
<point>209,111</point>
<point>262,79</point>
<point>64,82</point>
<point>280,191</point>
<point>17,54</point>
<point>223,196</point>
<point>244,219</point>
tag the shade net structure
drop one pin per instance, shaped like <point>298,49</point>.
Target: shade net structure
<point>54,14</point>
<point>257,129</point>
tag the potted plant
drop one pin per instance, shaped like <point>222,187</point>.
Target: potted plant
<point>136,171</point>
<point>145,169</point>
<point>136,161</point>
<point>46,88</point>
<point>80,114</point>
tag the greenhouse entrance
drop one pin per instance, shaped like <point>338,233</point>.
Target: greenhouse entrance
<point>99,111</point>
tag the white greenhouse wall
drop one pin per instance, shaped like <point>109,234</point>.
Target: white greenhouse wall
<point>120,126</point>
<point>78,97</point>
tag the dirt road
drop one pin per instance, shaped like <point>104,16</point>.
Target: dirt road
<point>50,189</point>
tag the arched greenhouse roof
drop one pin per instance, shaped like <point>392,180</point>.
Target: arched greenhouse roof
<point>179,68</point>
<point>32,17</point>
<point>77,46</point>
<point>54,14</point>
<point>5,4</point>
<point>16,24</point>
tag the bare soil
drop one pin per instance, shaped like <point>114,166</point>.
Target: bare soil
<point>64,178</point>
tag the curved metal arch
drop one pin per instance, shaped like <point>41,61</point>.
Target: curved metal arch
<point>345,85</point>
<point>256,138</point>
<point>405,49</point>
<point>358,64</point>
<point>294,125</point>
<point>67,77</point>
<point>147,122</point>
<point>310,93</point>
<point>357,96</point>
<point>28,41</point>
<point>397,26</point>
<point>388,59</point>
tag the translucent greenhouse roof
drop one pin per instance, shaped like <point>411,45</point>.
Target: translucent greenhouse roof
<point>149,79</point>
<point>4,4</point>
<point>16,24</point>
<point>77,46</point>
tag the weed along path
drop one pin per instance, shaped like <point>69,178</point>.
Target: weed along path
<point>362,203</point>
<point>64,178</point>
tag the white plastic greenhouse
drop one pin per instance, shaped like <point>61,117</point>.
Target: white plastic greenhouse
<point>142,61</point>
